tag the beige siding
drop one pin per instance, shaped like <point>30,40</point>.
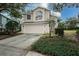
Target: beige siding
<point>34,15</point>
<point>46,15</point>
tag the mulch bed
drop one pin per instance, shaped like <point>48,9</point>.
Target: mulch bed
<point>8,36</point>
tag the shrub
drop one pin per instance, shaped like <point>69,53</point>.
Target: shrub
<point>12,26</point>
<point>56,46</point>
<point>59,31</point>
<point>77,31</point>
<point>76,28</point>
<point>77,34</point>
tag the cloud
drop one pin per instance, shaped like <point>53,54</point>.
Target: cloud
<point>44,5</point>
<point>56,14</point>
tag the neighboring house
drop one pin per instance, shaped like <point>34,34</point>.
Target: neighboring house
<point>37,21</point>
<point>77,23</point>
<point>3,21</point>
<point>68,24</point>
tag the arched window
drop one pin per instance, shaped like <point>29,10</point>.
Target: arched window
<point>39,15</point>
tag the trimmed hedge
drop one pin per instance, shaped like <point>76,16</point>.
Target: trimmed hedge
<point>76,28</point>
<point>59,31</point>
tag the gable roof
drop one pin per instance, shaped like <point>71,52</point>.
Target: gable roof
<point>5,16</point>
<point>36,9</point>
<point>41,8</point>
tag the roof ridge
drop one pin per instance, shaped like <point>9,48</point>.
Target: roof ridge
<point>40,7</point>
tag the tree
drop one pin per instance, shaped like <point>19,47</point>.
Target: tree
<point>58,7</point>
<point>71,23</point>
<point>12,26</point>
<point>51,25</point>
<point>61,25</point>
<point>13,9</point>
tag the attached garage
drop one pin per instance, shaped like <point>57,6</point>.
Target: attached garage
<point>35,28</point>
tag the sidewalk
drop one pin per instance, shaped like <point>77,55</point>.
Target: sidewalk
<point>32,53</point>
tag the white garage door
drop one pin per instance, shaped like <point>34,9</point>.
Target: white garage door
<point>35,28</point>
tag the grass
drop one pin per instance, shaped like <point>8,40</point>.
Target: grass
<point>57,46</point>
<point>66,33</point>
<point>69,32</point>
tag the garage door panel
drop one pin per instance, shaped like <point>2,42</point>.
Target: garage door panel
<point>33,28</point>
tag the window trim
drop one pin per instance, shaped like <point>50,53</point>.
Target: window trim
<point>39,15</point>
<point>29,18</point>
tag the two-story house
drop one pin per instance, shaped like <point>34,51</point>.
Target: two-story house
<point>37,21</point>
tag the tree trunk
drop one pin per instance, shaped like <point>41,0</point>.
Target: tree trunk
<point>50,28</point>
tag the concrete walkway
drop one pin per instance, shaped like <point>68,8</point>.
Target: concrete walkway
<point>18,45</point>
<point>32,53</point>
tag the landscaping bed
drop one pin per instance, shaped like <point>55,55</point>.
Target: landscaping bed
<point>56,46</point>
<point>8,36</point>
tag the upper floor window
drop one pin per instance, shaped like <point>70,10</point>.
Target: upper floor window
<point>28,17</point>
<point>39,15</point>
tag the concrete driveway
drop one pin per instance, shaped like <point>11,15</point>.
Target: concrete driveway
<point>18,45</point>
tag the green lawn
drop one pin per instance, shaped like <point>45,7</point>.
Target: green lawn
<point>57,46</point>
<point>69,32</point>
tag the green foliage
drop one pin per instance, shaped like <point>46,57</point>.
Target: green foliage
<point>58,7</point>
<point>12,26</point>
<point>77,28</point>
<point>71,23</point>
<point>61,25</point>
<point>14,9</point>
<point>56,46</point>
<point>77,35</point>
<point>59,31</point>
<point>77,31</point>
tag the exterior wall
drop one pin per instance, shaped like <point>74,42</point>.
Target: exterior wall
<point>46,15</point>
<point>4,21</point>
<point>77,24</point>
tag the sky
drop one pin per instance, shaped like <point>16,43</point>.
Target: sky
<point>66,12</point>
<point>69,12</point>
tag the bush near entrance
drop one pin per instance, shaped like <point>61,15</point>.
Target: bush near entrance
<point>59,31</point>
